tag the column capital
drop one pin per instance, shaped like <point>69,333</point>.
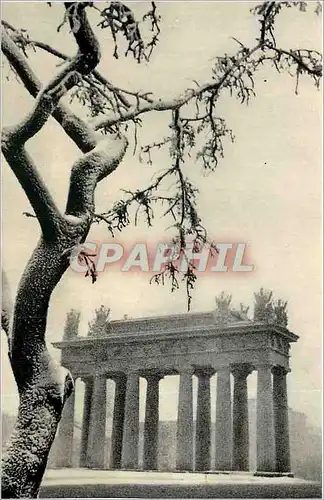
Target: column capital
<point>264,366</point>
<point>119,377</point>
<point>204,371</point>
<point>186,370</point>
<point>223,368</point>
<point>280,370</point>
<point>241,370</point>
<point>132,372</point>
<point>100,375</point>
<point>152,376</point>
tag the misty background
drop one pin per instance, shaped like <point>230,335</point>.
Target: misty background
<point>266,192</point>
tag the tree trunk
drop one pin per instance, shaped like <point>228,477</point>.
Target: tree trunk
<point>42,383</point>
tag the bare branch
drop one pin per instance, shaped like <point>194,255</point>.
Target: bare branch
<point>309,61</point>
<point>120,19</point>
<point>38,195</point>
<point>81,134</point>
<point>15,137</point>
<point>213,86</point>
<point>94,90</point>
<point>90,169</point>
<point>27,42</point>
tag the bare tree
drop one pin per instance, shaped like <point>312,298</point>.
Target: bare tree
<point>195,130</point>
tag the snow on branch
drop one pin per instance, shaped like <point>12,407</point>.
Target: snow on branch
<point>76,129</point>
<point>268,11</point>
<point>14,138</point>
<point>120,19</point>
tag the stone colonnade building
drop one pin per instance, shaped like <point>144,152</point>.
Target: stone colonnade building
<point>199,344</point>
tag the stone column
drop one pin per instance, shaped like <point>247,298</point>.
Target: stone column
<point>223,458</point>
<point>88,391</point>
<point>281,422</point>
<point>131,423</point>
<point>151,425</point>
<point>240,418</point>
<point>97,432</point>
<point>185,422</point>
<point>65,434</point>
<point>203,421</point>
<point>265,424</point>
<point>118,423</point>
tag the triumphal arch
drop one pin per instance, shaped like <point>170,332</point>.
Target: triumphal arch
<point>225,342</point>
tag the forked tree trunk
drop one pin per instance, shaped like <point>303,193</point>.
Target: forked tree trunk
<point>43,384</point>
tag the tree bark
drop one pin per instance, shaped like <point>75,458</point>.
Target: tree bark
<point>44,385</point>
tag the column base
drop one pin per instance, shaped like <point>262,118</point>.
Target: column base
<point>273,474</point>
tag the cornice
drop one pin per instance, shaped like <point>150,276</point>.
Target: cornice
<point>180,332</point>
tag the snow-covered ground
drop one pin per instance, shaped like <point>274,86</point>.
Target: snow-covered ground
<point>91,476</point>
<point>86,483</point>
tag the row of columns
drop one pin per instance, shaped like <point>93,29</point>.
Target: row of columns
<point>232,431</point>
